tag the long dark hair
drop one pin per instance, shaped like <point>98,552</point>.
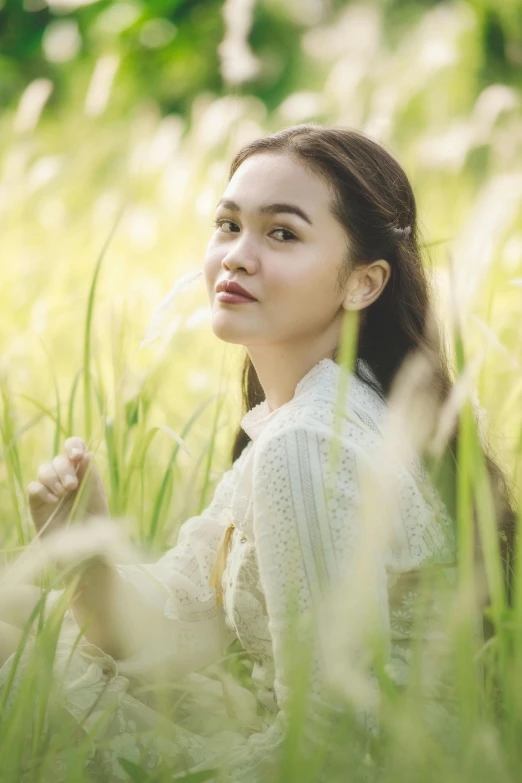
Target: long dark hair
<point>374,201</point>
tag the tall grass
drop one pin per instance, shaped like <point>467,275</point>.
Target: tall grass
<point>160,419</point>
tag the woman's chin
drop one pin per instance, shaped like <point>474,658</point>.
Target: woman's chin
<point>229,335</point>
<point>225,329</point>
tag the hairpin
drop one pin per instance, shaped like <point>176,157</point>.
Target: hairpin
<point>401,232</point>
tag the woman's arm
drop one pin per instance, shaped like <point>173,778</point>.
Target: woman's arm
<point>161,615</point>
<point>113,616</point>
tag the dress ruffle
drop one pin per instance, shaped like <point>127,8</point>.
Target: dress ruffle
<point>126,717</point>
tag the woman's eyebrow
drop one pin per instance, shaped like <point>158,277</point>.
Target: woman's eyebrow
<point>272,209</point>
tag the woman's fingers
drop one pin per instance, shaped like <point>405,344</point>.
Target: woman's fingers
<point>75,448</point>
<point>66,473</point>
<point>59,476</point>
<point>47,476</point>
<point>58,483</point>
<point>39,492</point>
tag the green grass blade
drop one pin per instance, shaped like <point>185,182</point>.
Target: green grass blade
<point>160,497</point>
<point>58,420</point>
<point>87,342</point>
<point>12,461</point>
<point>54,417</point>
<point>18,434</point>
<point>72,400</point>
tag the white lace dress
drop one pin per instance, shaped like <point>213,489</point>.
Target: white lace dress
<point>291,540</point>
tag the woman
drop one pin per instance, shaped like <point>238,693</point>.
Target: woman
<point>314,222</point>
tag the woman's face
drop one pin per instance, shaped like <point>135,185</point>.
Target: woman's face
<point>277,238</point>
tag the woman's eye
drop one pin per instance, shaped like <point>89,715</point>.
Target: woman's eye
<point>284,234</point>
<point>229,227</point>
<point>221,225</point>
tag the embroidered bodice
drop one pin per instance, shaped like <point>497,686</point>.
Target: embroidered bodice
<point>296,531</point>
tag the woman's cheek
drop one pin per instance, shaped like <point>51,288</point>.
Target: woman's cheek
<point>211,264</point>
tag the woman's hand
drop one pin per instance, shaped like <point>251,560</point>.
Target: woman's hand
<point>60,480</point>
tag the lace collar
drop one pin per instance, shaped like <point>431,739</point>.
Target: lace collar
<point>323,377</point>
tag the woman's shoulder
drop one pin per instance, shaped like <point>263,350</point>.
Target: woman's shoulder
<point>303,437</point>
<point>360,418</point>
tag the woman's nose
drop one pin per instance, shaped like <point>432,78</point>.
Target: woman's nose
<point>242,255</point>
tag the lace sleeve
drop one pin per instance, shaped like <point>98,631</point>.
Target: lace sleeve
<point>305,540</point>
<point>177,586</point>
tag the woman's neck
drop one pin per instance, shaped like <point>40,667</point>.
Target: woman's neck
<point>279,371</point>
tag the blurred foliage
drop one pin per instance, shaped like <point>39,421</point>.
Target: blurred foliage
<point>169,48</point>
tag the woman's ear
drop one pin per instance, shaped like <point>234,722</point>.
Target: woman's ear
<point>368,285</point>
<point>354,285</point>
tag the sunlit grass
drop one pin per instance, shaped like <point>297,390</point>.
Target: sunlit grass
<point>101,212</point>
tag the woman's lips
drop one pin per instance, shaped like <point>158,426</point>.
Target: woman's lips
<point>227,298</point>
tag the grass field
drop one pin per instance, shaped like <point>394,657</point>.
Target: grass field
<point>101,212</point>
